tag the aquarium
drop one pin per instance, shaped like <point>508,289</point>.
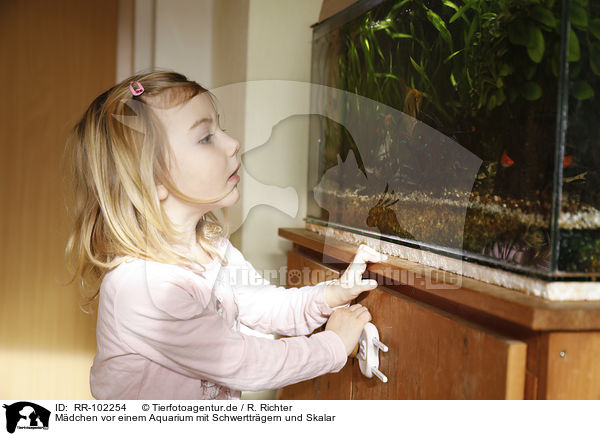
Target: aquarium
<point>464,128</point>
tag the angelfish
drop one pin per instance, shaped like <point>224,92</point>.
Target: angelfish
<point>412,106</point>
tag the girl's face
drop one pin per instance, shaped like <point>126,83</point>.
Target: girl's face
<point>204,156</point>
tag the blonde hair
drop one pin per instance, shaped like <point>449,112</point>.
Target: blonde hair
<point>115,157</point>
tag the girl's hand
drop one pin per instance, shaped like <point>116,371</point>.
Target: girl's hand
<point>351,284</point>
<point>348,323</point>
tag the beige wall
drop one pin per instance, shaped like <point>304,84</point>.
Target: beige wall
<point>279,47</point>
<point>230,42</point>
<point>183,37</point>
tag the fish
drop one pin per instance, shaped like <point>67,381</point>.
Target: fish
<point>580,176</point>
<point>505,160</point>
<point>488,169</point>
<point>413,98</point>
<point>411,109</point>
<point>412,102</point>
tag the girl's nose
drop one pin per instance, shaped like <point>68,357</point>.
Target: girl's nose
<point>234,145</point>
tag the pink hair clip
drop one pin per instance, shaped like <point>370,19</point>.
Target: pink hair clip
<point>139,88</point>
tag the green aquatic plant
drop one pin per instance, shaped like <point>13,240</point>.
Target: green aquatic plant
<point>487,64</point>
<point>484,72</point>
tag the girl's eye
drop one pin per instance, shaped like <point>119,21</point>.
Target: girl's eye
<point>206,139</point>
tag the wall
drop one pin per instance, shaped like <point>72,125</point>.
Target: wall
<point>279,47</point>
<point>183,38</point>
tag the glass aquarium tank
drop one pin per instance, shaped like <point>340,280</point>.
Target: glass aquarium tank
<point>467,128</point>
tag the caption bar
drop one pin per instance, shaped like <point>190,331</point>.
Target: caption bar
<point>159,413</point>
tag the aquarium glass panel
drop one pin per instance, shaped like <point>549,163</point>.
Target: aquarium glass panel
<point>579,220</point>
<point>442,127</point>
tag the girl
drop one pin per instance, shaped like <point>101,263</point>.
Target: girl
<point>149,164</point>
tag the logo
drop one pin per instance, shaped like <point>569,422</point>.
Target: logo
<point>26,415</point>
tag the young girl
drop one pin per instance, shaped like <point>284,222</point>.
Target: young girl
<point>149,164</point>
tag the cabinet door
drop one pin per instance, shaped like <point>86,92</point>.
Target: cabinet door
<point>336,386</point>
<point>434,355</point>
<point>572,370</point>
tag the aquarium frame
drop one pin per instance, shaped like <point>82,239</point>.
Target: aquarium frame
<point>562,110</point>
<point>343,16</point>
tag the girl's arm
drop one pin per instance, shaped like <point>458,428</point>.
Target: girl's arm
<point>170,318</point>
<point>274,309</point>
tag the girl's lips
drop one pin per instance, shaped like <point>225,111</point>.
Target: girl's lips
<point>234,176</point>
<point>236,170</point>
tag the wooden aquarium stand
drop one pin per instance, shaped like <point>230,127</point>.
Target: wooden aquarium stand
<point>451,337</point>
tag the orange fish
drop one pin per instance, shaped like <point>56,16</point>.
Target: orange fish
<point>412,102</point>
<point>567,160</point>
<point>506,161</point>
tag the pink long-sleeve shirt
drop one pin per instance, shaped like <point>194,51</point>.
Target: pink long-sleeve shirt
<point>165,332</point>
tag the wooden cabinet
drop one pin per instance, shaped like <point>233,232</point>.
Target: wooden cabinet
<point>476,341</point>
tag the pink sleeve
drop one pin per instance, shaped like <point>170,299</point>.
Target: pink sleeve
<point>165,315</point>
<point>274,309</point>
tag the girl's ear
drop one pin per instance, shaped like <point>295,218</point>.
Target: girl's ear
<point>162,192</point>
